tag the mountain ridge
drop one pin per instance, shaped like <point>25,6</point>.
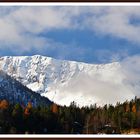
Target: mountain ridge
<point>65,81</point>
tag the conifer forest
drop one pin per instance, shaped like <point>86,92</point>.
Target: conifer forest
<point>123,118</point>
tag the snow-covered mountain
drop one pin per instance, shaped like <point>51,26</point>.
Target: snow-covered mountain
<point>66,81</point>
<point>15,92</point>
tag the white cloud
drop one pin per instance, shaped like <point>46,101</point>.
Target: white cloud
<point>110,84</point>
<point>104,85</point>
<point>20,26</point>
<point>38,19</point>
<point>131,69</point>
<point>116,21</point>
<point>86,90</point>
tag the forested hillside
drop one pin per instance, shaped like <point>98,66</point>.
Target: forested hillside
<point>15,92</point>
<point>55,119</point>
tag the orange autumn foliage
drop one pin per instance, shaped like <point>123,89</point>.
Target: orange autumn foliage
<point>4,104</point>
<point>54,108</point>
<point>27,111</point>
<point>134,108</point>
<point>28,108</point>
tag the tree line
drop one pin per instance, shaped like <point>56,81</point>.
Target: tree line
<point>56,119</point>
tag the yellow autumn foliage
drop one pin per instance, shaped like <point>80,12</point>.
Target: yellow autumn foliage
<point>134,108</point>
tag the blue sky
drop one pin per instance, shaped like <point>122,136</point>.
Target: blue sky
<point>89,34</point>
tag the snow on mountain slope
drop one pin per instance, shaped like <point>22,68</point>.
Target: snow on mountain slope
<point>15,92</point>
<point>66,81</point>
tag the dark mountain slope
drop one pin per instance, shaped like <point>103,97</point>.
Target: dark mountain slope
<point>15,92</point>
